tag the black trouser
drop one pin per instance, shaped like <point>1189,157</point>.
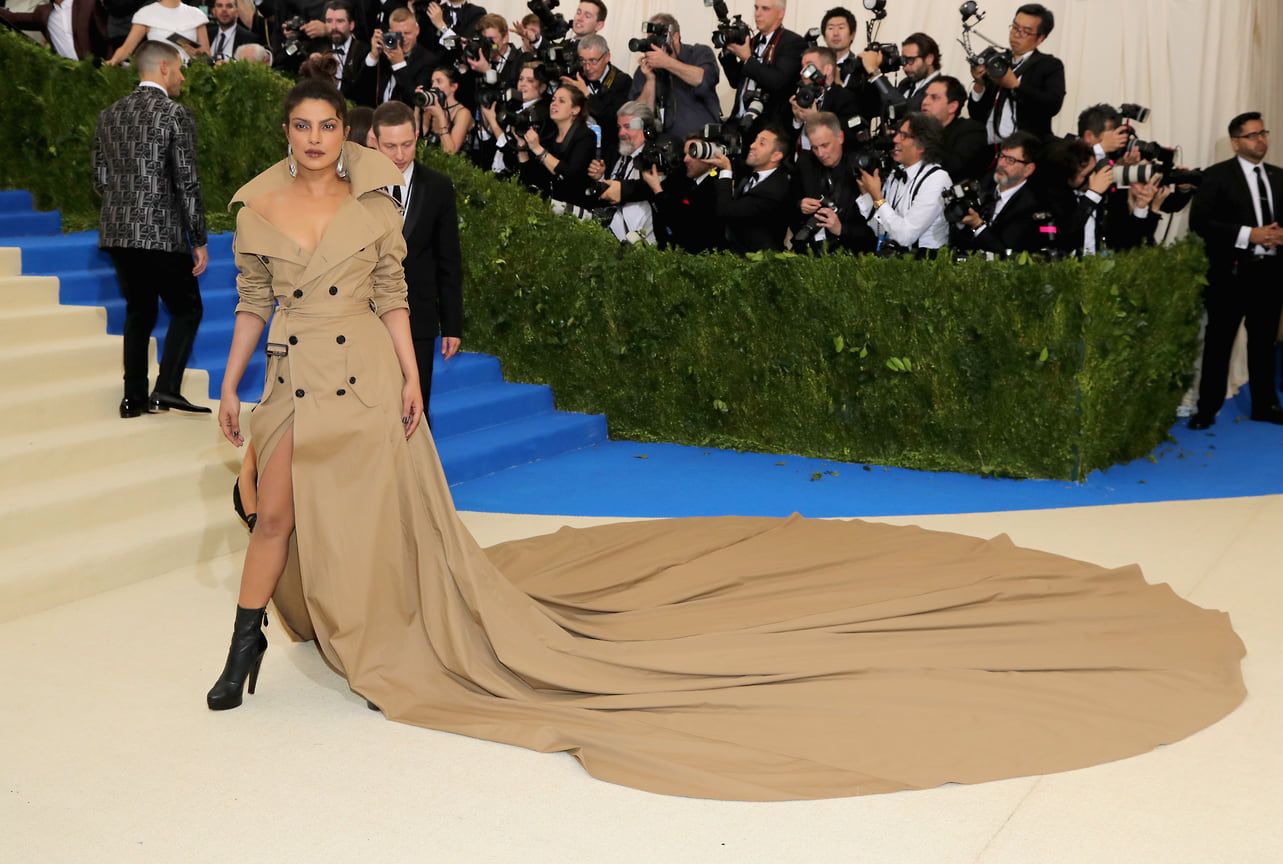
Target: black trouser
<point>145,276</point>
<point>424,349</point>
<point>1255,294</point>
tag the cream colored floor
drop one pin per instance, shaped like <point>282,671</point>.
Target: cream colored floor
<point>107,752</point>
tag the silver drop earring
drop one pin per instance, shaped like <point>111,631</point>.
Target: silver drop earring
<point>339,166</point>
<point>290,157</point>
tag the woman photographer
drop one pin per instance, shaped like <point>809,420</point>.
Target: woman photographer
<point>532,89</point>
<point>447,122</point>
<point>556,161</point>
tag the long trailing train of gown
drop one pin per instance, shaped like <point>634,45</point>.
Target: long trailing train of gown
<point>738,658</point>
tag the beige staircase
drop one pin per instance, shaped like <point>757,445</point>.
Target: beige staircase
<point>88,501</point>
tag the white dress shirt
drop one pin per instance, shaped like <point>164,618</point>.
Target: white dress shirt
<point>1249,172</point>
<point>60,33</point>
<point>914,208</point>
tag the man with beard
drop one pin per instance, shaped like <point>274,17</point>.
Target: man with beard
<point>227,33</point>
<point>633,218</point>
<point>921,56</point>
<point>1009,201</point>
<point>340,40</point>
<point>757,207</point>
<point>830,218</point>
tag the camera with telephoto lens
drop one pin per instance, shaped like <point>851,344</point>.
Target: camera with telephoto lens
<point>717,139</point>
<point>656,37</point>
<point>891,59</point>
<point>754,105</point>
<point>959,199</point>
<point>1126,175</point>
<point>552,25</point>
<point>428,98</point>
<point>812,88</point>
<point>293,28</point>
<point>807,232</point>
<point>729,31</point>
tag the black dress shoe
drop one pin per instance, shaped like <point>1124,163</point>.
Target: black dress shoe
<point>1273,414</point>
<point>165,401</point>
<point>132,407</point>
<point>1200,422</point>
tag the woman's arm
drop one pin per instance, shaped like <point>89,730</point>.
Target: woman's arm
<point>398,323</point>
<point>126,50</point>
<point>452,141</point>
<point>244,339</point>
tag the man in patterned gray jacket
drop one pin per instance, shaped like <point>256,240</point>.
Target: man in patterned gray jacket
<point>153,223</point>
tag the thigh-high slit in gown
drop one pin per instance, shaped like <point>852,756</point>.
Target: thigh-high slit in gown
<point>738,658</point>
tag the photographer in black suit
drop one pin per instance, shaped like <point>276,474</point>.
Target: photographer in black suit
<point>828,217</point>
<point>398,64</point>
<point>1005,222</point>
<point>1031,92</point>
<point>832,99</point>
<point>964,151</point>
<point>340,40</point>
<point>769,61</point>
<point>605,86</point>
<point>686,203</point>
<point>1235,211</point>
<point>756,207</point>
<point>921,56</point>
<point>433,262</point>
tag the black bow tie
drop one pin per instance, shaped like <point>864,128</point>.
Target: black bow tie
<point>900,174</point>
<point>337,50</point>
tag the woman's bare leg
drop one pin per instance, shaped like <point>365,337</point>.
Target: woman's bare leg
<point>248,480</point>
<point>269,544</point>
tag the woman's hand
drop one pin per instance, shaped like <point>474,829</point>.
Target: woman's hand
<point>411,407</point>
<point>532,138</point>
<point>229,418</point>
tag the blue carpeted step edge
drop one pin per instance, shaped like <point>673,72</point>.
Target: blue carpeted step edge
<point>16,200</point>
<point>464,370</point>
<point>485,451</point>
<point>457,412</point>
<point>29,224</point>
<point>79,251</point>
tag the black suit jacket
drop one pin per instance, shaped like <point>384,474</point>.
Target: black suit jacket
<point>433,262</point>
<point>776,77</point>
<point>417,72</point>
<point>604,105</point>
<point>1037,99</point>
<point>760,217</point>
<point>242,35</point>
<point>686,214</point>
<point>965,150</point>
<point>465,24</point>
<point>1012,229</point>
<point>88,26</point>
<point>1222,206</point>
<point>144,160</point>
<point>1116,226</point>
<point>838,184</point>
<point>373,15</point>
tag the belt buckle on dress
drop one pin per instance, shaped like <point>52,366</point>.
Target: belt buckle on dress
<point>276,349</point>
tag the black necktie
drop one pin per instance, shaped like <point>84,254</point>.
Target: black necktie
<point>396,193</point>
<point>337,50</point>
<point>623,168</point>
<point>218,48</point>
<point>749,183</point>
<point>1267,214</point>
<point>447,12</point>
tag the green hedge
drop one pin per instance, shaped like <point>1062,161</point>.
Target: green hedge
<point>1008,368</point>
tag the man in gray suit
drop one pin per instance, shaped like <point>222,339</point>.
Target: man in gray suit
<point>153,224</point>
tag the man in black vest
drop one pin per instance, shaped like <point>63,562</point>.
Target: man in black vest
<point>1235,211</point>
<point>1031,92</point>
<point>433,261</point>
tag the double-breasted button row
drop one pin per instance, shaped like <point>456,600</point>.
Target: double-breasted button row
<point>293,340</point>
<point>300,393</point>
<point>342,392</point>
<point>334,289</point>
<point>341,339</point>
<point>298,292</point>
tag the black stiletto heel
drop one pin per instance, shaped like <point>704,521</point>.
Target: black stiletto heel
<point>244,658</point>
<point>250,519</point>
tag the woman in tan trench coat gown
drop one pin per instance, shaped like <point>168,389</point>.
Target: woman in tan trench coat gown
<point>740,658</point>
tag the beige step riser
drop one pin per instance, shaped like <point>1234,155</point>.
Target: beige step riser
<point>43,367</point>
<point>10,261</point>
<point>92,399</point>
<point>33,462</point>
<point>27,292</point>
<point>34,327</point>
<point>132,498</point>
<point>29,589</point>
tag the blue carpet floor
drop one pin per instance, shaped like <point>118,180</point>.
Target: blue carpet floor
<point>1235,458</point>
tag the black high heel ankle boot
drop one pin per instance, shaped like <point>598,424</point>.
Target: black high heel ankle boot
<point>243,659</point>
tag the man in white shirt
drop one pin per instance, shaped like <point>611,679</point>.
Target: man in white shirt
<point>908,209</point>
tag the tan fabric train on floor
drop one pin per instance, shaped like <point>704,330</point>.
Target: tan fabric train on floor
<point>742,658</point>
